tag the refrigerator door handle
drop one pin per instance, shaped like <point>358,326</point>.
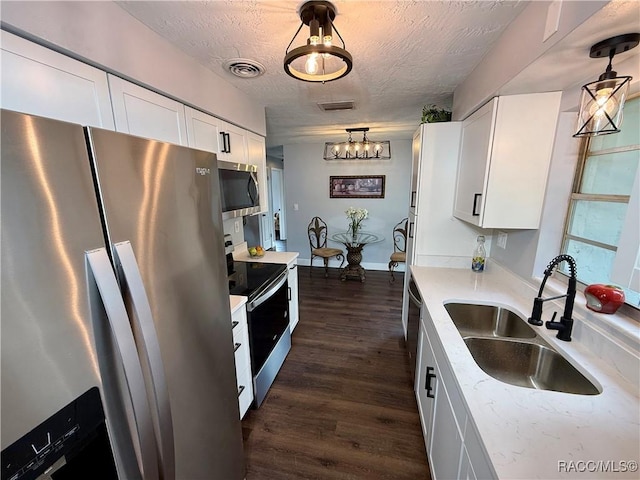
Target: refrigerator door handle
<point>100,265</point>
<point>149,350</point>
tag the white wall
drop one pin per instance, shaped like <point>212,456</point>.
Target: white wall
<point>307,185</point>
<point>104,35</point>
<point>508,58</point>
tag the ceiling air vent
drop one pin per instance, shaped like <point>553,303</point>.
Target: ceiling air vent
<point>244,68</point>
<point>333,106</point>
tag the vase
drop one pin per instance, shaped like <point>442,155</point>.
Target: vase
<point>604,298</point>
<point>354,232</point>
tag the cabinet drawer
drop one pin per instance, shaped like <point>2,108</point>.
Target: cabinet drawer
<point>245,391</point>
<point>241,352</point>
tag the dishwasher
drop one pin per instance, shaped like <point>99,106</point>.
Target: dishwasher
<point>413,324</point>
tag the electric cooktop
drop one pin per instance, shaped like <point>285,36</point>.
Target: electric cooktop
<point>252,278</point>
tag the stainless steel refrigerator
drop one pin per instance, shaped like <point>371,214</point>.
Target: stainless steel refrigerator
<point>114,282</point>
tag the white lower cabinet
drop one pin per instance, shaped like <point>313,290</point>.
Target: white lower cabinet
<point>243,360</point>
<point>293,294</point>
<point>449,437</point>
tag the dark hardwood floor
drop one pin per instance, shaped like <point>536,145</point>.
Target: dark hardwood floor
<point>342,406</point>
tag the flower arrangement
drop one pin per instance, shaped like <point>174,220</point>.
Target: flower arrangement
<point>356,216</point>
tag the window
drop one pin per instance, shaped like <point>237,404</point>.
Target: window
<point>603,206</point>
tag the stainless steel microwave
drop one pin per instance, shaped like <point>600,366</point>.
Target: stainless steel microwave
<point>239,192</point>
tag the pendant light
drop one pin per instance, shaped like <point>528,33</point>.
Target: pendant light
<point>358,150</point>
<point>602,101</point>
<point>319,60</point>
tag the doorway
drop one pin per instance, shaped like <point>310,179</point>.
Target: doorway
<point>277,199</point>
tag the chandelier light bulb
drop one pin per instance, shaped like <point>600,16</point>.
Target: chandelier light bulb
<point>604,103</point>
<point>311,65</point>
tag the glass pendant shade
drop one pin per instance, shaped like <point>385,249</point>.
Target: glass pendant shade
<point>602,101</point>
<point>319,60</point>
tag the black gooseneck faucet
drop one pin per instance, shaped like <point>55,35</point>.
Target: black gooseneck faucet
<point>565,325</point>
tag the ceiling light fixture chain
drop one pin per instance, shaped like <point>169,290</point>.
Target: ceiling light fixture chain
<point>355,150</point>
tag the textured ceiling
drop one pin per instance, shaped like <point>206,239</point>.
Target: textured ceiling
<point>406,54</point>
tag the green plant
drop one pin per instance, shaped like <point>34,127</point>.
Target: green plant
<point>433,114</point>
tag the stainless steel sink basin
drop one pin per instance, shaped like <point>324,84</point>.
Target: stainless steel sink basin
<point>488,320</point>
<point>528,365</point>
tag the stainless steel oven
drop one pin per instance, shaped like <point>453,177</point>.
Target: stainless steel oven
<point>266,288</point>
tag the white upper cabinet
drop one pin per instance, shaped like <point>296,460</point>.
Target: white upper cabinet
<point>505,153</point>
<point>257,155</point>
<point>232,142</point>
<point>39,81</point>
<point>207,132</point>
<point>203,130</point>
<point>144,113</point>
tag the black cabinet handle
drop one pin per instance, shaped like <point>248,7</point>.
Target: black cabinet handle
<point>289,293</point>
<point>427,382</point>
<point>411,224</point>
<point>240,390</point>
<point>226,142</point>
<point>236,346</point>
<point>475,204</point>
<point>413,199</point>
<point>234,324</point>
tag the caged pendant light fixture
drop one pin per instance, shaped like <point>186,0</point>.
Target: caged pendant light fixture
<point>319,60</point>
<point>358,150</point>
<point>602,101</point>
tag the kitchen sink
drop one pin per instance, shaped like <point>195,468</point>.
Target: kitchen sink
<point>506,347</point>
<point>488,320</point>
<point>528,365</point>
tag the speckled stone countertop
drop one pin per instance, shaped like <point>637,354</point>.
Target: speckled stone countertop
<point>530,433</point>
<point>241,254</point>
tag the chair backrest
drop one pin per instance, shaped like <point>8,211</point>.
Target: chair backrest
<point>317,231</point>
<point>400,236</point>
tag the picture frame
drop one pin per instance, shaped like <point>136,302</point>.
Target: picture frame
<point>356,186</point>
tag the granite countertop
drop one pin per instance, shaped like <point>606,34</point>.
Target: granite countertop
<point>529,433</point>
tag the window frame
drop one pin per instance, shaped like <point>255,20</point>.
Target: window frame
<point>575,196</point>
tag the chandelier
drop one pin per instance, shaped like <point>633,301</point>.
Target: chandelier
<point>318,60</point>
<point>602,101</point>
<point>358,150</point>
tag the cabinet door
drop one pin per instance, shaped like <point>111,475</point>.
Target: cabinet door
<point>446,440</point>
<point>415,170</point>
<point>39,81</point>
<point>473,165</point>
<point>425,385</point>
<point>234,144</point>
<point>203,130</point>
<point>144,113</point>
<point>293,295</point>
<point>257,155</point>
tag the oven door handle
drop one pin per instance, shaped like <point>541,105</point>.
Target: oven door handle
<point>264,296</point>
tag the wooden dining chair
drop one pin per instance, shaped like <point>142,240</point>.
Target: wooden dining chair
<point>317,231</point>
<point>399,254</point>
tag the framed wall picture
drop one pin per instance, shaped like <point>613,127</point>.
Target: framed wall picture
<point>356,186</point>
